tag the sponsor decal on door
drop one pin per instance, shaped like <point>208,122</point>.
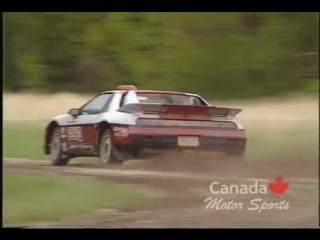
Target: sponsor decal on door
<point>75,134</point>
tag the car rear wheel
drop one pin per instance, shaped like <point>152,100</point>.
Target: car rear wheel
<point>107,150</point>
<point>56,156</point>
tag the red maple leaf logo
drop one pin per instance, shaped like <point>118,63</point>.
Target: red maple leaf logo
<point>278,186</point>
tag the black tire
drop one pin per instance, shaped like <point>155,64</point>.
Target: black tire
<point>107,150</point>
<point>56,156</point>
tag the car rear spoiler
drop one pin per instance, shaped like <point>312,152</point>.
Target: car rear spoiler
<point>172,111</point>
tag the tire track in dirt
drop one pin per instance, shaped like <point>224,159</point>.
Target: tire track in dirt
<point>93,169</point>
<point>180,198</point>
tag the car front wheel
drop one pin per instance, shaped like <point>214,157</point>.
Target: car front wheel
<point>56,156</point>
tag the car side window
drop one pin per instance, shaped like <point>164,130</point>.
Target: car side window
<point>97,104</point>
<point>198,101</point>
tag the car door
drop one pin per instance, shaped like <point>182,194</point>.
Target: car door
<point>80,130</point>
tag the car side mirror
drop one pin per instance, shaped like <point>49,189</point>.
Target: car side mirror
<point>74,112</point>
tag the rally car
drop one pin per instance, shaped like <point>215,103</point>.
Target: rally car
<point>128,123</point>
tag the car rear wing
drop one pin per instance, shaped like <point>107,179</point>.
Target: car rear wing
<point>185,112</point>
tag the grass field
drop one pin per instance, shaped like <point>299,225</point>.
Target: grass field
<point>34,197</point>
<point>275,128</point>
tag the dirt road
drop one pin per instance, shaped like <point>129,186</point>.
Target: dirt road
<point>178,190</point>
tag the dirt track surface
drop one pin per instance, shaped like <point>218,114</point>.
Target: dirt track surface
<point>178,189</point>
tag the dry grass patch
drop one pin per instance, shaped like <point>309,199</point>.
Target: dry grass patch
<point>28,107</point>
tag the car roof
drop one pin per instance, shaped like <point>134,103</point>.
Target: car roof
<point>160,92</point>
<point>155,92</point>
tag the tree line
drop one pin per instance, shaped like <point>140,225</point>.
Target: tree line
<point>215,54</point>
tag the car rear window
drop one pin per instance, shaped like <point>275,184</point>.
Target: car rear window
<point>169,99</point>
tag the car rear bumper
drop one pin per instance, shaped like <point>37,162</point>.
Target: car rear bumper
<point>229,141</point>
<point>171,142</point>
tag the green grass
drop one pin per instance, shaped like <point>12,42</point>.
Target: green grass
<point>35,197</point>
<point>25,141</point>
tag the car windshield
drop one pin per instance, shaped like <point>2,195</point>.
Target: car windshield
<point>169,99</point>
<point>97,104</point>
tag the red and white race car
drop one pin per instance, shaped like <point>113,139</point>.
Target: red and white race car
<point>128,123</point>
